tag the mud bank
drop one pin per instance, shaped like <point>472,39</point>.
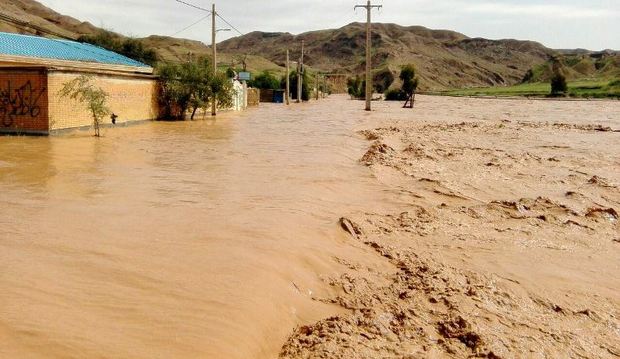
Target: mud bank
<point>508,248</point>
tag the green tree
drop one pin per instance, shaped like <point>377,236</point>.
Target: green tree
<point>86,92</point>
<point>231,73</point>
<point>356,87</point>
<point>265,81</point>
<point>221,89</point>
<point>409,79</point>
<point>175,91</point>
<point>192,86</point>
<point>559,87</point>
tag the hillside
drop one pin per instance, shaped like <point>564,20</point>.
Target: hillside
<point>38,15</point>
<point>579,65</point>
<point>445,59</point>
<point>31,17</point>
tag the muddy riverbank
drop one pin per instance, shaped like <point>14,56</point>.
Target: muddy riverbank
<point>509,247</point>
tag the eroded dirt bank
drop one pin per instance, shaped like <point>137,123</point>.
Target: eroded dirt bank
<point>510,244</point>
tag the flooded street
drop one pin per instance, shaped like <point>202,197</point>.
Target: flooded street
<point>162,240</point>
<point>476,227</point>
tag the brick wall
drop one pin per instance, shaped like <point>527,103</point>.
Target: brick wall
<point>130,98</point>
<point>23,101</point>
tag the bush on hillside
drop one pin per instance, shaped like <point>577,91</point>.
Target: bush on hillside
<point>132,48</point>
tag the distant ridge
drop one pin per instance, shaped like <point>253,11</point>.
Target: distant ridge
<point>444,58</point>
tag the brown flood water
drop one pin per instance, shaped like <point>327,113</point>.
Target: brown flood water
<point>177,240</point>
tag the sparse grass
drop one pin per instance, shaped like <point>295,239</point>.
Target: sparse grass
<point>596,88</point>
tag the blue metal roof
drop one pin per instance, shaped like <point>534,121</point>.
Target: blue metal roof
<point>40,47</point>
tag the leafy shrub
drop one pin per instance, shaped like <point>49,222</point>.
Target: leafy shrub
<point>191,86</point>
<point>265,81</point>
<point>559,86</point>
<point>356,87</point>
<point>132,48</point>
<point>395,95</point>
<point>410,81</point>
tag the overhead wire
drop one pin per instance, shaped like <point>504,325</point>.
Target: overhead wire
<point>192,25</point>
<point>194,6</point>
<point>229,24</point>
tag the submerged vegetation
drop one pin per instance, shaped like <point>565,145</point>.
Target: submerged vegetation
<point>409,85</point>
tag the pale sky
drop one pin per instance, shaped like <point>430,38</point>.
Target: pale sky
<point>591,24</point>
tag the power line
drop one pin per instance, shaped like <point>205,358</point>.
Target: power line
<point>194,6</point>
<point>210,11</point>
<point>229,24</point>
<point>193,24</point>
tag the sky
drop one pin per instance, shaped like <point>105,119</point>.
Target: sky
<point>559,24</point>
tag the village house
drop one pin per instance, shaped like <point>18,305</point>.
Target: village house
<point>34,69</point>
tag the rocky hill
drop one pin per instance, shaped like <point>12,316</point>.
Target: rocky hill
<point>444,59</point>
<point>31,17</point>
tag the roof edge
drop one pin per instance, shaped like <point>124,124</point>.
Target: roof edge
<point>78,65</point>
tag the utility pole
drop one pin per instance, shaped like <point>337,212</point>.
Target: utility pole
<point>317,86</point>
<point>368,8</point>
<point>213,47</point>
<point>300,74</point>
<point>324,86</point>
<point>288,80</point>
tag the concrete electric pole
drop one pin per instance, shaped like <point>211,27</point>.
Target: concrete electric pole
<point>317,86</point>
<point>368,8</point>
<point>213,47</point>
<point>300,72</point>
<point>288,80</point>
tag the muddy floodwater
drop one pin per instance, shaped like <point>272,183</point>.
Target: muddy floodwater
<point>218,238</point>
<point>183,240</point>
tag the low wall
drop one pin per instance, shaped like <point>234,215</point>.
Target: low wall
<point>131,98</point>
<point>253,97</point>
<point>23,101</point>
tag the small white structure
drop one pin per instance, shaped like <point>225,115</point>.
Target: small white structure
<point>240,96</point>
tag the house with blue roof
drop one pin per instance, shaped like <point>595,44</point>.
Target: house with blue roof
<point>33,70</point>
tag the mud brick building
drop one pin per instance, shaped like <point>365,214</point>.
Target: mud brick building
<point>34,69</point>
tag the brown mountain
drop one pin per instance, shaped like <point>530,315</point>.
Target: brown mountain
<point>31,17</point>
<point>443,58</point>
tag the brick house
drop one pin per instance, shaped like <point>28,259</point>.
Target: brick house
<point>34,69</point>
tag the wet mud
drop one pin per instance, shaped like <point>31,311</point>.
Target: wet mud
<point>508,247</point>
